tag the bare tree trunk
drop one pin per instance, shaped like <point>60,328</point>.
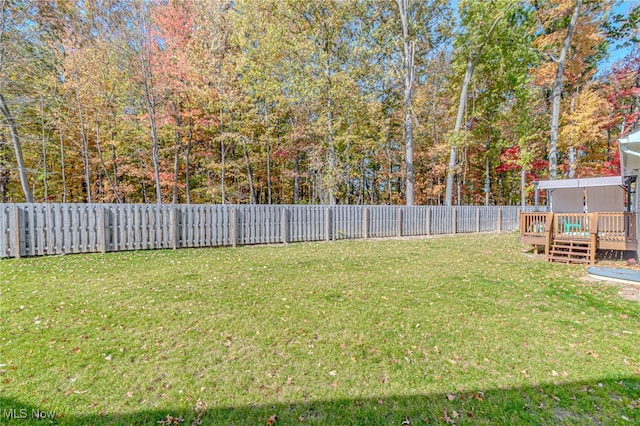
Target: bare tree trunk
<point>4,169</point>
<point>487,182</point>
<point>408,56</point>
<point>523,183</point>
<point>17,146</point>
<point>150,101</point>
<point>472,62</point>
<point>268,172</point>
<point>176,165</point>
<point>222,170</point>
<point>187,155</point>
<point>296,180</point>
<point>556,95</point>
<point>44,150</point>
<point>252,194</point>
<point>104,167</point>
<point>572,157</point>
<point>62,160</point>
<point>85,143</point>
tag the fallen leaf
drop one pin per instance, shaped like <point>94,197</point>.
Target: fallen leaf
<point>200,406</point>
<point>478,395</point>
<point>448,419</point>
<point>130,394</point>
<point>554,373</point>
<point>272,419</point>
<point>406,422</point>
<point>454,414</point>
<point>450,396</point>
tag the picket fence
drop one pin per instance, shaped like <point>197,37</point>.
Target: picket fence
<point>52,229</point>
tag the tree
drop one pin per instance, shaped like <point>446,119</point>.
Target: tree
<point>474,41</point>
<point>556,93</point>
<point>11,64</point>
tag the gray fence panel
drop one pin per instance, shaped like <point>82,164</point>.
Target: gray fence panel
<point>46,229</point>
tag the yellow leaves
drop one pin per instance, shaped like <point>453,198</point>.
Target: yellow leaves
<point>583,124</point>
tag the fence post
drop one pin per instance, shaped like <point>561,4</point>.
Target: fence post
<point>234,227</point>
<point>477,219</point>
<point>429,221</point>
<point>102,237</point>
<point>499,219</point>
<point>365,223</point>
<point>285,226</point>
<point>327,224</point>
<point>15,232</point>
<point>399,222</point>
<point>454,221</point>
<point>173,227</point>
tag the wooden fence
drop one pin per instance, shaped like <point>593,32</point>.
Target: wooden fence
<point>50,229</point>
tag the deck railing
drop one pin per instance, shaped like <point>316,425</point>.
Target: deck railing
<point>571,225</point>
<point>616,226</point>
<point>533,224</point>
<point>611,226</point>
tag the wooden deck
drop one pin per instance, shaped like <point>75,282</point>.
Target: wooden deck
<point>563,232</point>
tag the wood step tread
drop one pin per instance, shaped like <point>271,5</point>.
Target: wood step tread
<point>569,259</point>
<point>574,244</point>
<point>571,250</point>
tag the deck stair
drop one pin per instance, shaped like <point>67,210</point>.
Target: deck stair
<point>571,251</point>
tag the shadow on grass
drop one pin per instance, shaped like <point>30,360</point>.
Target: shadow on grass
<point>598,402</point>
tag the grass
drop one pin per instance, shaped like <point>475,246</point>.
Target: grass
<point>464,330</point>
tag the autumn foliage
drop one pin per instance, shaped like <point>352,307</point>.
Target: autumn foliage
<point>267,101</point>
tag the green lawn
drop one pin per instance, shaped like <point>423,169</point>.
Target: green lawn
<point>464,330</point>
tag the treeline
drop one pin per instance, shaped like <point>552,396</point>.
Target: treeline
<point>305,101</point>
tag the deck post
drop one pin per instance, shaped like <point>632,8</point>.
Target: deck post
<point>548,234</point>
<point>477,219</point>
<point>499,219</point>
<point>399,222</point>
<point>521,222</point>
<point>429,221</point>
<point>593,236</point>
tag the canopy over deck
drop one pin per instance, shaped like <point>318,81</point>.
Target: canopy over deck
<point>630,154</point>
<point>601,194</point>
<point>580,183</point>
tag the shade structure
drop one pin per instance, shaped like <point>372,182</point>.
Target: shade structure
<point>630,154</point>
<point>601,194</point>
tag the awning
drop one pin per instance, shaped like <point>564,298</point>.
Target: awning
<point>580,183</point>
<point>630,154</point>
